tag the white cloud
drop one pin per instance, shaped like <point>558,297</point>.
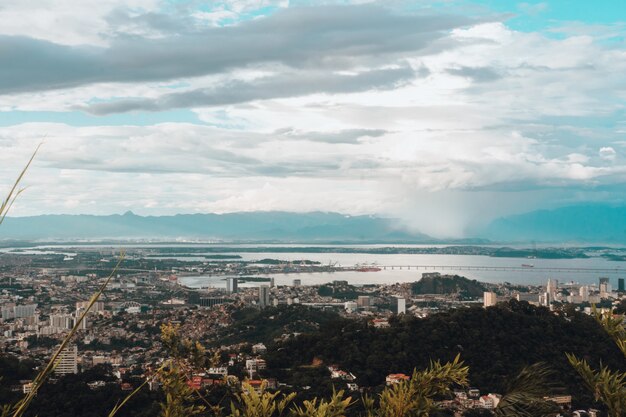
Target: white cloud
<point>489,121</point>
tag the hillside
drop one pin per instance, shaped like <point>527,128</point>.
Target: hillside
<point>447,284</point>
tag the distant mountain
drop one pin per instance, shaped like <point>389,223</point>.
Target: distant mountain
<point>244,226</point>
<point>447,284</point>
<point>580,223</point>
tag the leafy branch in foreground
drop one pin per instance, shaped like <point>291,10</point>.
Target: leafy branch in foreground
<point>416,397</point>
<point>525,394</point>
<point>608,386</point>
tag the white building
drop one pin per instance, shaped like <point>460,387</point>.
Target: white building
<point>67,362</point>
<point>401,303</point>
<point>489,299</point>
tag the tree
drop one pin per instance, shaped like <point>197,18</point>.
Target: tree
<point>608,386</point>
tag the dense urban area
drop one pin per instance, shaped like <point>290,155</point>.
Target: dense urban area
<point>307,339</point>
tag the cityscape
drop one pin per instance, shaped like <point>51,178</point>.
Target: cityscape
<point>43,298</point>
<point>312,208</point>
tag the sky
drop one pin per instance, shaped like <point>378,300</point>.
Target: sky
<point>444,114</point>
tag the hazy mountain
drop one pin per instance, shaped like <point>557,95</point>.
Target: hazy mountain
<point>259,226</point>
<point>580,223</point>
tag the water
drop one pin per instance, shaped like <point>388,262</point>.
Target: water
<point>526,276</point>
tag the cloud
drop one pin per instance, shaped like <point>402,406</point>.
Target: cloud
<point>330,37</point>
<point>607,153</point>
<point>278,86</point>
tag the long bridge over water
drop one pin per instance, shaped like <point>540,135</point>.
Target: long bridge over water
<point>436,268</point>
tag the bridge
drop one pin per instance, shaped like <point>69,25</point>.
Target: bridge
<point>436,268</point>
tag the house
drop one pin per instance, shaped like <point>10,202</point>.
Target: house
<point>396,378</point>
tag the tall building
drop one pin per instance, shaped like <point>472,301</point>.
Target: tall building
<point>264,295</point>
<point>97,307</point>
<point>489,299</point>
<point>231,285</point>
<point>605,287</point>
<point>67,362</point>
<point>552,288</point>
<point>24,311</point>
<point>584,293</point>
<point>620,285</point>
<point>364,301</point>
<point>62,321</point>
<point>401,305</point>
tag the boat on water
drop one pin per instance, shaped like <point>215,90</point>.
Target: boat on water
<point>528,266</point>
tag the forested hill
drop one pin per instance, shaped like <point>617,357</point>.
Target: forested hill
<point>448,284</point>
<point>495,342</point>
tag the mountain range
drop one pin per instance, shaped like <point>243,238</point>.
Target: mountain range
<point>244,226</point>
<point>581,223</point>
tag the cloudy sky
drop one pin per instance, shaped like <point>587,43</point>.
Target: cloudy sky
<point>443,113</point>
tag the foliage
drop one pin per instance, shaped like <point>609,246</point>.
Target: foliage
<point>263,403</point>
<point>415,397</point>
<point>608,386</point>
<point>335,407</point>
<point>526,392</point>
<point>448,284</point>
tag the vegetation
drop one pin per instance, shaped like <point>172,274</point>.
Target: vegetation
<point>607,385</point>
<point>448,284</point>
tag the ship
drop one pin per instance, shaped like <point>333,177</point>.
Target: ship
<point>528,266</point>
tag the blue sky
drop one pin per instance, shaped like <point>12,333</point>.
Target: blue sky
<point>455,109</point>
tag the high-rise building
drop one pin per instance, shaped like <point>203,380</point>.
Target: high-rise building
<point>264,295</point>
<point>551,288</point>
<point>584,293</point>
<point>272,283</point>
<point>67,362</point>
<point>231,285</point>
<point>620,285</point>
<point>401,305</point>
<point>62,321</point>
<point>605,287</point>
<point>97,307</point>
<point>489,299</point>
<point>24,311</point>
<point>364,301</point>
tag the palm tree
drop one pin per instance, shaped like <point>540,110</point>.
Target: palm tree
<point>608,386</point>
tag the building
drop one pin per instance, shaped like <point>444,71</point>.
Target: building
<point>552,288</point>
<point>364,301</point>
<point>231,285</point>
<point>18,312</point>
<point>489,299</point>
<point>62,321</point>
<point>264,295</point>
<point>350,306</point>
<point>400,306</point>
<point>97,307</point>
<point>620,285</point>
<point>528,297</point>
<point>396,378</point>
<point>605,287</point>
<point>211,301</point>
<point>584,293</point>
<point>67,362</point>
<point>297,282</point>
